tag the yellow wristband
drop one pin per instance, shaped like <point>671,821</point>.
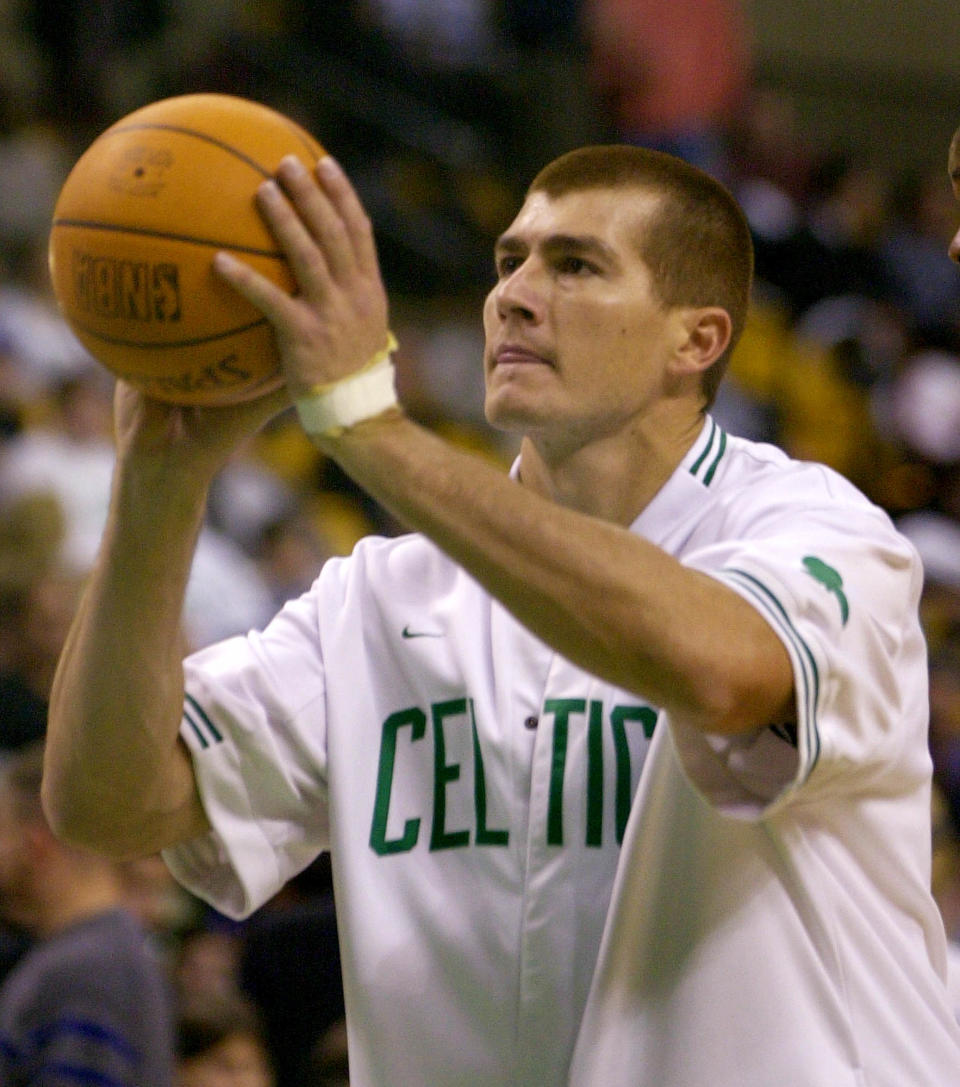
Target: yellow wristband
<point>330,409</point>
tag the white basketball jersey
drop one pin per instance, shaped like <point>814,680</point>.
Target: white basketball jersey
<point>768,919</point>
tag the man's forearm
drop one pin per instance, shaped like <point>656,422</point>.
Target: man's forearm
<point>117,779</point>
<point>611,602</point>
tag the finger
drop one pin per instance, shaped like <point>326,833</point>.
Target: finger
<point>308,259</point>
<point>271,300</point>
<point>352,214</point>
<point>320,216</point>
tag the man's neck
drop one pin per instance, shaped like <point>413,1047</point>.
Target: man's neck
<point>614,477</point>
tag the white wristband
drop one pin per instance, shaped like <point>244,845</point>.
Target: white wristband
<point>330,410</point>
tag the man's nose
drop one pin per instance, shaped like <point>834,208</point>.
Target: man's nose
<point>520,293</point>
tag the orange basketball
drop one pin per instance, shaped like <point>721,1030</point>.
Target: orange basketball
<point>136,226</point>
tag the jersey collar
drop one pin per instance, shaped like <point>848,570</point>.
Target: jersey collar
<point>683,499</point>
<point>685,495</point>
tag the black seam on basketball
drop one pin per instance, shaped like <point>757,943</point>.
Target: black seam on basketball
<point>198,135</point>
<point>165,235</point>
<point>313,148</point>
<point>151,345</point>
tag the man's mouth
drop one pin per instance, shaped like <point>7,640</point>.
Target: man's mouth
<point>512,354</point>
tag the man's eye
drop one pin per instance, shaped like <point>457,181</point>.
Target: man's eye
<point>574,266</point>
<point>506,265</point>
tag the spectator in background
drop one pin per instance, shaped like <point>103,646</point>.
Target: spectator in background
<point>832,247</point>
<point>37,599</point>
<point>289,966</point>
<point>43,347</point>
<point>38,596</point>
<point>34,619</point>
<point>69,456</point>
<point>87,1002</point>
<point>220,1044</point>
<point>290,552</point>
<point>918,413</point>
<point>927,286</point>
<point>772,149</point>
<point>671,76</point>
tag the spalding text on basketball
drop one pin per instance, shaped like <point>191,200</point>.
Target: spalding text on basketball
<point>224,373</point>
<point>126,290</point>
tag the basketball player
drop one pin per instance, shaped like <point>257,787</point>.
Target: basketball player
<point>621,758</point>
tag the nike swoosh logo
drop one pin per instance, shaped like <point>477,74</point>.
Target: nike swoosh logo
<point>408,633</point>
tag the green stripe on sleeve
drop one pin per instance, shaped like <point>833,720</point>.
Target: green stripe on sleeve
<point>196,717</point>
<point>775,611</point>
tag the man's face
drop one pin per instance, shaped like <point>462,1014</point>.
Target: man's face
<point>576,339</point>
<point>953,165</point>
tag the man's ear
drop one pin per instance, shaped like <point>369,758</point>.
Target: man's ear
<point>704,334</point>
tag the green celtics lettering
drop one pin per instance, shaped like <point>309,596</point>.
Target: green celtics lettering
<point>410,727</point>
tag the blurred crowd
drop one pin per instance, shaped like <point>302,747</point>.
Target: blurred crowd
<point>441,111</point>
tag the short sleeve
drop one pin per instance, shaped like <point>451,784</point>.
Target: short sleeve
<point>841,591</point>
<point>254,722</point>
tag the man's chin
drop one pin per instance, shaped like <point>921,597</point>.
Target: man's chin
<point>513,414</point>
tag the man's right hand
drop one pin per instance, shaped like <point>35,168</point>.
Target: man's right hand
<point>198,440</point>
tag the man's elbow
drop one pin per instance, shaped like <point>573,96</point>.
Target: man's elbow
<point>71,819</point>
<point>81,819</point>
<point>730,707</point>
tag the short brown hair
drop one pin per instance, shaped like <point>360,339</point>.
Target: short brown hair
<point>698,247</point>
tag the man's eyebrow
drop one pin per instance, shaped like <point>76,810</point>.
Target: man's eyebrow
<point>577,244</point>
<point>509,243</point>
